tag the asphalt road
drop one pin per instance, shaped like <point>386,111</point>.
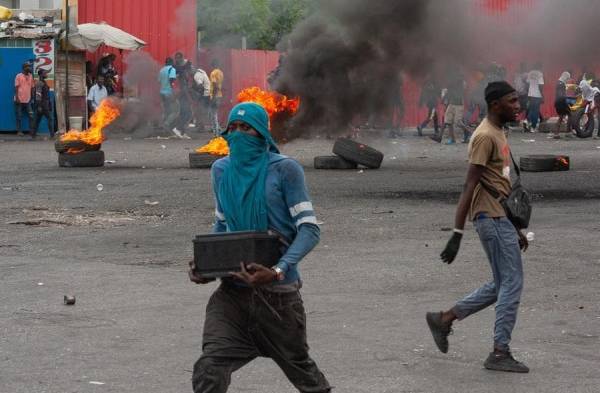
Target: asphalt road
<point>136,326</point>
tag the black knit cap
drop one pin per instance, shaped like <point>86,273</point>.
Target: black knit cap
<point>496,90</point>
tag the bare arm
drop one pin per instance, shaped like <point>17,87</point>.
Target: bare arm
<point>473,177</point>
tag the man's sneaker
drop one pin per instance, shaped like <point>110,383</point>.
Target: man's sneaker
<point>439,330</point>
<point>450,142</point>
<point>436,138</point>
<point>192,125</point>
<point>503,361</point>
<point>185,136</point>
<point>177,133</point>
<point>466,137</point>
<point>419,130</point>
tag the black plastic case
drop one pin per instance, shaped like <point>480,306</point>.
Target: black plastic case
<point>216,255</point>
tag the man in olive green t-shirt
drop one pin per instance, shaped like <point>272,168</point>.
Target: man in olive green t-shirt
<point>489,163</point>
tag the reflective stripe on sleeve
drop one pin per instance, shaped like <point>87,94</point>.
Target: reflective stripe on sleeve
<point>301,208</point>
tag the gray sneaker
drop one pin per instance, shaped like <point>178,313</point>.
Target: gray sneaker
<point>439,330</point>
<point>504,362</point>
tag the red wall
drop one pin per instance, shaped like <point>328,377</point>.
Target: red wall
<point>150,20</point>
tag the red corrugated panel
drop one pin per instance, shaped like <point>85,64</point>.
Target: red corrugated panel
<point>164,26</point>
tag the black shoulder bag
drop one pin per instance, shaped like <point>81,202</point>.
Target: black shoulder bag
<point>517,205</point>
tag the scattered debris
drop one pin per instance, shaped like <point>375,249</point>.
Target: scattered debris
<point>109,161</point>
<point>528,140</point>
<point>97,383</point>
<point>40,284</point>
<point>530,236</point>
<point>100,187</point>
<point>384,212</point>
<point>151,203</point>
<point>39,222</point>
<point>445,229</point>
<point>163,147</point>
<point>69,300</point>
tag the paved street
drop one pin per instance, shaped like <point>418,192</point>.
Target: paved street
<point>137,323</point>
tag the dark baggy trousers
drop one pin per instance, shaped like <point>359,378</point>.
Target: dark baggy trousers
<point>240,327</point>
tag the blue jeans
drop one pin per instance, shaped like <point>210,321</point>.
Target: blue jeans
<point>533,115</point>
<point>501,244</point>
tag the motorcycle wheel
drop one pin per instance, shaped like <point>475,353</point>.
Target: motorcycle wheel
<point>583,124</point>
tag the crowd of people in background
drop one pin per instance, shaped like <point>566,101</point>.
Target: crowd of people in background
<point>464,105</point>
<point>190,97</point>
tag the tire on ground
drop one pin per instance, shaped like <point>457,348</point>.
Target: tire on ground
<point>544,163</point>
<point>333,162</point>
<point>358,153</point>
<point>83,159</point>
<point>586,129</point>
<point>202,160</point>
<point>62,147</point>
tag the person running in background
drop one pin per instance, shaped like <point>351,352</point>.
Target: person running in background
<point>167,78</point>
<point>183,67</point>
<point>561,104</point>
<point>535,79</point>
<point>22,99</point>
<point>43,106</point>
<point>201,95</point>
<point>216,95</point>
<point>429,98</point>
<point>454,100</point>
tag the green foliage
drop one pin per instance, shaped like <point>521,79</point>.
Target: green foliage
<point>263,22</point>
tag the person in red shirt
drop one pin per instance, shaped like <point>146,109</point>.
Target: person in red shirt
<point>23,89</point>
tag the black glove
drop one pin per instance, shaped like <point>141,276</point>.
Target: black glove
<point>451,249</point>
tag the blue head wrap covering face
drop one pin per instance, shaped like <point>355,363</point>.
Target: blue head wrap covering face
<point>242,189</point>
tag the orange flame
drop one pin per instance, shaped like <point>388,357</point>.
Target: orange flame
<point>274,103</point>
<point>107,112</point>
<point>216,146</point>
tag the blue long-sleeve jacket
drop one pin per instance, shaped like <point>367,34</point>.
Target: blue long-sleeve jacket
<point>289,210</point>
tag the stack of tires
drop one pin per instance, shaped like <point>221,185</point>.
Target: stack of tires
<point>88,155</point>
<point>349,155</point>
<point>202,160</point>
<point>545,163</point>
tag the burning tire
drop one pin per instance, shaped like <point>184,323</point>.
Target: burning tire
<point>202,160</point>
<point>62,147</point>
<point>83,159</point>
<point>545,163</point>
<point>358,152</point>
<point>582,124</point>
<point>334,162</point>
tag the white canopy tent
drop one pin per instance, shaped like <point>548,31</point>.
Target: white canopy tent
<point>90,36</point>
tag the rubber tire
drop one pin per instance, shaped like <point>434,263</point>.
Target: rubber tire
<point>202,160</point>
<point>81,160</point>
<point>588,130</point>
<point>541,163</point>
<point>334,162</point>
<point>358,152</point>
<point>62,147</point>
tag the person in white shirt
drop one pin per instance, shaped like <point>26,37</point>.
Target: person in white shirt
<point>535,79</point>
<point>201,95</point>
<point>96,94</point>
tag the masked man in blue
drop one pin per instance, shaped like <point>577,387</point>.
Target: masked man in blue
<point>259,311</point>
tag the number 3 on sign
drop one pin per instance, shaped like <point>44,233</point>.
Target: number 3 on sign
<point>44,56</point>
